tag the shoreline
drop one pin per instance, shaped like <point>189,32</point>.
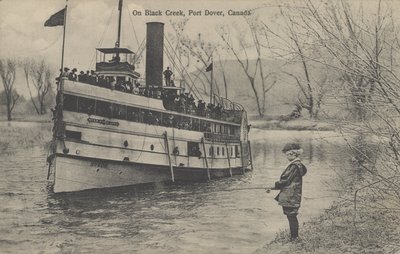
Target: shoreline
<point>296,125</point>
<point>343,229</point>
<point>26,121</point>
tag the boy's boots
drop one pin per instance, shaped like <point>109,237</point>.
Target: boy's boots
<point>294,226</point>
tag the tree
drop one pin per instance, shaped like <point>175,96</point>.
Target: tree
<point>295,47</point>
<point>7,72</point>
<point>365,49</point>
<point>176,45</point>
<point>39,74</point>
<point>201,52</point>
<point>260,80</point>
<point>351,48</point>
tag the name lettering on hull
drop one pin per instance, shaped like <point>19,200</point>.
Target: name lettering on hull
<point>102,121</point>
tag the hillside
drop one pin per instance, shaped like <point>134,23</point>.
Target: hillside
<point>239,88</point>
<point>280,99</point>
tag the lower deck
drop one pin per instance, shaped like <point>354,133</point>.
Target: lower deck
<point>73,173</point>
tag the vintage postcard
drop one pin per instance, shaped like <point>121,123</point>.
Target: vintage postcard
<point>216,126</point>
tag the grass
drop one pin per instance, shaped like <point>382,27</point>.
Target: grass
<point>296,124</point>
<point>28,118</point>
<point>341,229</point>
<point>29,135</point>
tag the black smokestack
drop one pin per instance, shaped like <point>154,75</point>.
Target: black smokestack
<point>154,53</point>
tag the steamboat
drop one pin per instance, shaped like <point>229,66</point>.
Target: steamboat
<point>112,128</point>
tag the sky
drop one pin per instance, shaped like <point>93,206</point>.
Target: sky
<point>90,22</point>
<point>93,23</point>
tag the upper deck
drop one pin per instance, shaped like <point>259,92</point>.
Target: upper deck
<point>115,61</point>
<point>113,106</point>
<point>94,92</point>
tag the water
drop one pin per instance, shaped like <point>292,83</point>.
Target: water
<point>163,218</point>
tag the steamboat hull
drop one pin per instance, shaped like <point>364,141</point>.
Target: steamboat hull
<point>73,173</point>
<point>108,133</point>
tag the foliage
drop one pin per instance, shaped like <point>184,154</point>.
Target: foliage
<point>253,39</point>
<point>38,80</point>
<point>8,74</point>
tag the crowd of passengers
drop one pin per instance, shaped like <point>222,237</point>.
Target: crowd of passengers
<point>183,103</point>
<point>90,77</point>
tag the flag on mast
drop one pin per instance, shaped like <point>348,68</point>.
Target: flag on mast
<point>56,19</point>
<point>210,67</point>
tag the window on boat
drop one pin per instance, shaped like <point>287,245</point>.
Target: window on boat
<point>231,151</point>
<point>119,111</point>
<point>133,114</point>
<point>203,126</point>
<point>104,109</point>
<point>123,112</point>
<point>70,103</point>
<point>237,154</point>
<point>152,117</point>
<point>184,123</point>
<point>167,120</point>
<point>208,127</point>
<point>143,115</point>
<point>235,131</point>
<point>211,151</point>
<point>217,150</point>
<point>194,149</point>
<point>86,105</point>
<point>223,151</point>
<point>73,135</point>
<point>231,130</point>
<point>195,124</point>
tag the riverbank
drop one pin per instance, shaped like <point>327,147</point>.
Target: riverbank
<point>295,124</point>
<point>25,134</point>
<point>342,229</point>
<point>34,118</point>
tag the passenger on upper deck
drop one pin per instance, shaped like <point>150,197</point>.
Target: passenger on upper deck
<point>87,75</point>
<point>81,77</point>
<point>72,75</point>
<point>92,78</point>
<point>129,86</point>
<point>167,75</point>
<point>183,103</point>
<point>121,86</point>
<point>136,89</point>
<point>112,82</point>
<point>65,73</point>
<point>201,108</point>
<point>115,59</point>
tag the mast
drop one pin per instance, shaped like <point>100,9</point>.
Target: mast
<point>63,45</point>
<point>117,44</point>
<point>211,85</point>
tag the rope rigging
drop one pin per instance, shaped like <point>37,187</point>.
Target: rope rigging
<point>133,27</point>
<point>199,96</point>
<point>140,51</point>
<point>102,37</point>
